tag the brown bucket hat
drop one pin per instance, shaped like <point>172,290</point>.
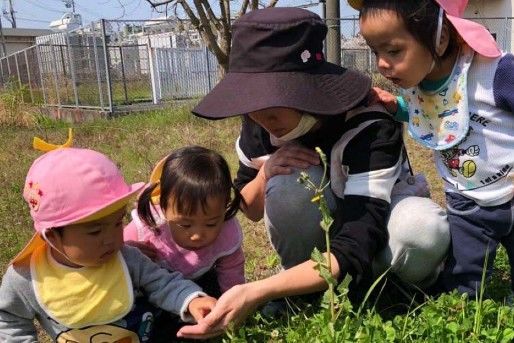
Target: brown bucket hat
<point>277,60</point>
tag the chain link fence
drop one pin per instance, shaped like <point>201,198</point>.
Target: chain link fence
<point>109,64</point>
<point>185,73</point>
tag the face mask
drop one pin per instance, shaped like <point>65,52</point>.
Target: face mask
<point>304,125</point>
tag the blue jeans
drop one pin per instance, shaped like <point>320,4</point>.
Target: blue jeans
<point>417,227</point>
<point>476,232</point>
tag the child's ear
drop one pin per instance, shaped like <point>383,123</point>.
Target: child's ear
<point>445,40</point>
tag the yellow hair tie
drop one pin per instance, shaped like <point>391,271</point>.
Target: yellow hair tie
<point>155,177</point>
<point>41,145</point>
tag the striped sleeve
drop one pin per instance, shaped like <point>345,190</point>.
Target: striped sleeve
<point>253,148</point>
<point>373,159</point>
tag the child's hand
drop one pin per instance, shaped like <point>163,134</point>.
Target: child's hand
<point>146,248</point>
<point>378,95</point>
<point>201,306</point>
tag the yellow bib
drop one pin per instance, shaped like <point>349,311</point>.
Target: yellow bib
<point>79,297</point>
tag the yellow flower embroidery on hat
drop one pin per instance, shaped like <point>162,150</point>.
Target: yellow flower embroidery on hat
<point>33,194</point>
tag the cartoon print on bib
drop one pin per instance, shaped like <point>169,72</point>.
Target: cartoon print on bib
<point>98,334</point>
<point>439,120</point>
<point>136,327</point>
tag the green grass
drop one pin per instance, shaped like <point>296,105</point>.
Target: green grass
<point>137,141</point>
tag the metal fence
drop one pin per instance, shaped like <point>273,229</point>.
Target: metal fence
<point>184,73</point>
<point>108,64</point>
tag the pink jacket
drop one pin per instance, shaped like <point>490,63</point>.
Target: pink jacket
<point>226,253</point>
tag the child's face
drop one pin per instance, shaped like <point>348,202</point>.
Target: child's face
<point>278,121</point>
<point>89,244</point>
<point>400,57</point>
<point>199,229</point>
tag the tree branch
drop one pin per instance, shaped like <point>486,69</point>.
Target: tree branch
<point>227,30</point>
<point>212,17</point>
<point>204,28</point>
<point>244,7</point>
<point>272,3</point>
<point>157,4</point>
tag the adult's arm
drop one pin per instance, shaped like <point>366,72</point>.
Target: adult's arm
<point>374,160</point>
<point>253,193</point>
<point>241,300</point>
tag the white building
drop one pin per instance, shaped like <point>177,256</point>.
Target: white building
<point>68,22</point>
<point>482,11</point>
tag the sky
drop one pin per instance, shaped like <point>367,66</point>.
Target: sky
<point>39,13</point>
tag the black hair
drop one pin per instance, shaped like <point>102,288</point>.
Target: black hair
<point>420,18</point>
<point>190,176</point>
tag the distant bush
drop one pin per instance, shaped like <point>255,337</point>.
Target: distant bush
<point>14,109</point>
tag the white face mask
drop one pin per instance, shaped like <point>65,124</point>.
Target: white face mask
<point>304,125</point>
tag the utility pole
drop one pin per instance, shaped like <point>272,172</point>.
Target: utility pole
<point>333,41</point>
<point>11,11</point>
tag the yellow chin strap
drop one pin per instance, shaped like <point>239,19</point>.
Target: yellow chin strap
<point>41,145</point>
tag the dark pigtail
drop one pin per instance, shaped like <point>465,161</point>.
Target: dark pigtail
<point>144,205</point>
<point>235,203</point>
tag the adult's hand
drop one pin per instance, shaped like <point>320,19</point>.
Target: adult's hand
<point>289,156</point>
<point>232,308</point>
<point>241,300</point>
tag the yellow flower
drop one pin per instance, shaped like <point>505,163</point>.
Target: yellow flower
<point>316,198</point>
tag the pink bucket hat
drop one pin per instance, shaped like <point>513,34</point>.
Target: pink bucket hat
<point>474,34</point>
<point>71,186</point>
